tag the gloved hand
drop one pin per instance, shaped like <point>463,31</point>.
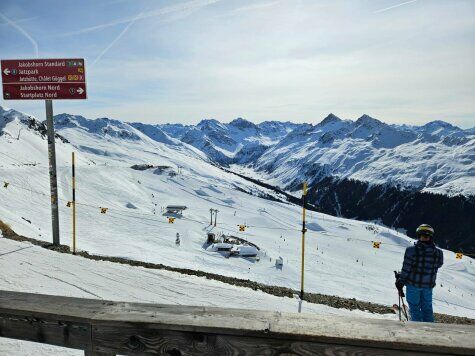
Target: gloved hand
<point>399,286</point>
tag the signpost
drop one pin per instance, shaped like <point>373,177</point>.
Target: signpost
<point>45,79</point>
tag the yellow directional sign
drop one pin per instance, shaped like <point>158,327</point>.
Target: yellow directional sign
<point>104,210</point>
<point>5,184</point>
<point>459,255</point>
<point>242,227</point>
<point>171,220</point>
<point>376,244</point>
<point>69,204</point>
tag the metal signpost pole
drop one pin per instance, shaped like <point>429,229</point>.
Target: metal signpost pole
<point>74,203</point>
<point>52,171</point>
<point>304,230</point>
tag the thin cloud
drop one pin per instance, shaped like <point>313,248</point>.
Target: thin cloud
<point>184,10</point>
<point>195,4</point>
<point>394,6</point>
<point>22,31</point>
<point>257,6</point>
<point>253,7</point>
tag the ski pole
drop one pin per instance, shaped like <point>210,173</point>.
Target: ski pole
<point>404,308</point>
<point>399,308</point>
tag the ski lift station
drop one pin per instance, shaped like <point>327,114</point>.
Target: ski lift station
<point>175,209</point>
<point>232,246</point>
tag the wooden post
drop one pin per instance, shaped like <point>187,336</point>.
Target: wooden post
<point>304,230</point>
<point>74,203</point>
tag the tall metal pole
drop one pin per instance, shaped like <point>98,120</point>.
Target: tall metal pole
<point>211,211</point>
<point>74,205</point>
<point>215,216</point>
<point>52,171</point>
<point>304,230</point>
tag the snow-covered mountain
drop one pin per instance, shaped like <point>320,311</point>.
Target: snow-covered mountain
<point>102,126</point>
<point>366,169</point>
<point>436,157</point>
<point>239,141</point>
<point>340,258</point>
<point>105,130</point>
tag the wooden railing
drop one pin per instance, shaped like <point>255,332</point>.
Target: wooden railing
<point>107,328</point>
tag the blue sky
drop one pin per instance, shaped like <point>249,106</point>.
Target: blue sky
<point>181,61</point>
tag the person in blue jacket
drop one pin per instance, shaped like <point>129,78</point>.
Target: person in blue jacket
<point>419,272</point>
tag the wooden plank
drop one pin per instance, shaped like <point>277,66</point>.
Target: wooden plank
<point>97,353</point>
<point>387,334</point>
<point>130,340</point>
<point>51,331</point>
<point>74,309</point>
<point>188,318</point>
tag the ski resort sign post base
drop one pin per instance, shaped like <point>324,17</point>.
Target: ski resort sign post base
<point>48,80</point>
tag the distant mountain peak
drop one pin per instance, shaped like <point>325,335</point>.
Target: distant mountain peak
<point>440,123</point>
<point>330,119</point>
<point>368,121</point>
<point>242,123</point>
<point>208,122</point>
<point>211,125</point>
<point>66,118</point>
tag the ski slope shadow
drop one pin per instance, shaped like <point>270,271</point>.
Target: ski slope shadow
<point>315,227</point>
<point>396,239</point>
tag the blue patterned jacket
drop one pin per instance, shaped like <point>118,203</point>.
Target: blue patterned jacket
<point>420,265</point>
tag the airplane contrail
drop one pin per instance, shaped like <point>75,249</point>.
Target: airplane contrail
<point>25,19</point>
<point>22,31</point>
<point>192,5</point>
<point>394,6</point>
<point>126,28</point>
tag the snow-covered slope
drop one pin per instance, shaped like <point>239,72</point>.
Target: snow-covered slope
<point>32,269</point>
<point>340,259</point>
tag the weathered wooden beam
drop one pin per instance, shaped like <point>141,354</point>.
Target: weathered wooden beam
<point>97,353</point>
<point>50,330</point>
<point>143,341</point>
<point>106,327</point>
<point>76,309</point>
